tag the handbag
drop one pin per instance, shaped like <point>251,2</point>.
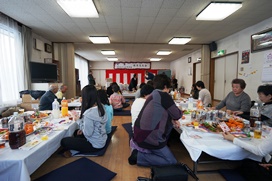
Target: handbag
<point>176,172</point>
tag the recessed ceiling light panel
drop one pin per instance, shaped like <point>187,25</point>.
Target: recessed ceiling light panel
<point>108,52</point>
<point>217,11</point>
<point>164,52</point>
<point>155,59</point>
<point>99,39</point>
<point>179,40</point>
<point>79,8</point>
<point>112,58</point>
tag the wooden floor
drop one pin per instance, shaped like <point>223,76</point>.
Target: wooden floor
<point>115,158</point>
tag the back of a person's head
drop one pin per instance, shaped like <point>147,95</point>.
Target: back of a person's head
<point>161,81</point>
<point>150,82</point>
<point>89,99</point>
<point>146,90</point>
<point>115,88</point>
<point>142,84</point>
<point>265,89</point>
<point>200,84</point>
<point>103,97</point>
<point>241,82</point>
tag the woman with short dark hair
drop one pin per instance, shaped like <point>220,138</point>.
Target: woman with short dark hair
<point>237,101</point>
<point>204,94</point>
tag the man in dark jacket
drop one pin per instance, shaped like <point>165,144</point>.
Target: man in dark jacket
<point>48,98</point>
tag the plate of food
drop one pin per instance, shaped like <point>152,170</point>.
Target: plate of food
<point>38,115</point>
<point>43,130</point>
<point>29,145</point>
<point>4,134</point>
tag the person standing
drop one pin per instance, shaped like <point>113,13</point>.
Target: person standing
<point>153,126</point>
<point>149,75</point>
<point>133,83</point>
<point>91,78</point>
<point>62,90</point>
<point>48,98</point>
<point>174,82</point>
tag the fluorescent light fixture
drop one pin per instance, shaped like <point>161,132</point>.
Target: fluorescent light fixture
<point>99,39</point>
<point>79,8</point>
<point>217,11</point>
<point>155,59</point>
<point>256,37</point>
<point>179,40</point>
<point>112,58</point>
<point>164,52</point>
<point>108,52</point>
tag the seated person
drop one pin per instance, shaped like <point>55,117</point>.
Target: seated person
<point>48,98</point>
<point>108,108</point>
<point>133,83</point>
<point>252,170</point>
<point>117,101</point>
<point>138,92</point>
<point>91,135</point>
<point>62,90</point>
<point>153,126</point>
<point>194,92</point>
<point>265,96</point>
<point>237,102</point>
<point>137,105</point>
<point>204,94</point>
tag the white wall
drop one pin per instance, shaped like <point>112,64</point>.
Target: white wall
<point>181,68</point>
<point>98,69</point>
<point>240,42</point>
<point>39,55</point>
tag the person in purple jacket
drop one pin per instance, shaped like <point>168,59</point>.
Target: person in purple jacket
<point>153,126</point>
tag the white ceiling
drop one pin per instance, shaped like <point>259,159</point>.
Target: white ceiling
<point>137,28</point>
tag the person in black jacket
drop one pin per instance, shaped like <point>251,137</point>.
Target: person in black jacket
<point>48,98</point>
<point>133,83</point>
<point>91,78</point>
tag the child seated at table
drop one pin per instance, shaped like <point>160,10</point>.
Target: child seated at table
<point>117,100</point>
<point>108,108</point>
<point>91,135</point>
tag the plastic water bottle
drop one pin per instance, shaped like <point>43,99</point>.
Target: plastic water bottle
<point>190,102</point>
<point>64,107</point>
<point>254,114</point>
<point>17,134</point>
<point>55,109</point>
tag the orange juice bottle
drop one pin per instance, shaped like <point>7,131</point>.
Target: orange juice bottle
<point>199,104</point>
<point>64,107</point>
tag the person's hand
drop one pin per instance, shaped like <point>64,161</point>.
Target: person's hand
<point>237,112</point>
<point>79,132</point>
<point>176,123</point>
<point>228,136</point>
<point>266,166</point>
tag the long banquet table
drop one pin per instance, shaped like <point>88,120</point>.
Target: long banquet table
<point>19,164</point>
<point>197,142</point>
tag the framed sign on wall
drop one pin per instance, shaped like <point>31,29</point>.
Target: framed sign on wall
<point>132,65</point>
<point>261,41</point>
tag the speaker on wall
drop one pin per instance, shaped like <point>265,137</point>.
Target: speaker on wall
<point>213,46</point>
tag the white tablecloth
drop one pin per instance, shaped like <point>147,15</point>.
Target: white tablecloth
<point>213,144</point>
<point>17,165</point>
<point>75,103</point>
